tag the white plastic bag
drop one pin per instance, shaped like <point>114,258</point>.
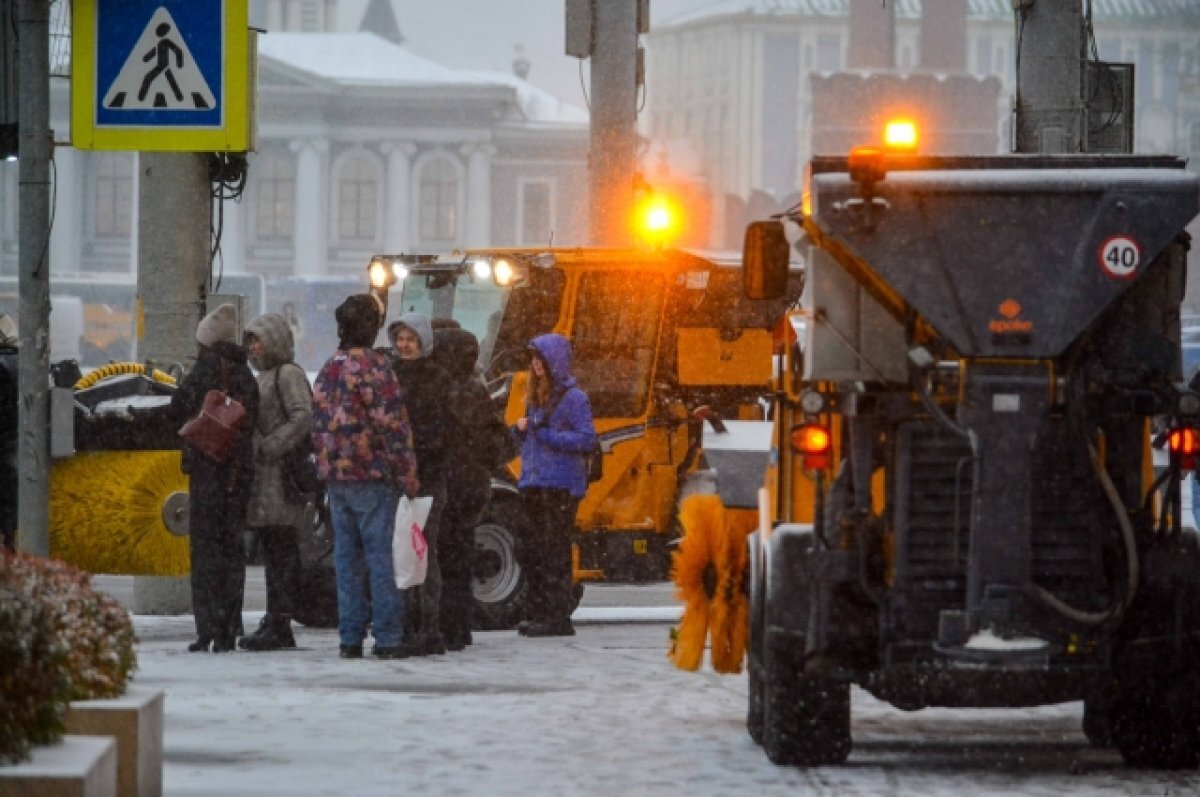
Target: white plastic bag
<point>410,552</point>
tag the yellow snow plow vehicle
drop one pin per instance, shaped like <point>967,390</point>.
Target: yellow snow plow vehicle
<point>656,335</point>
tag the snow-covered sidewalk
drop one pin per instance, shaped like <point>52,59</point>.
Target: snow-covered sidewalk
<point>601,713</point>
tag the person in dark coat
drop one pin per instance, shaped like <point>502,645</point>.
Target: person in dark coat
<point>426,388</point>
<point>9,423</point>
<point>284,422</point>
<point>556,436</point>
<point>219,491</point>
<point>470,459</point>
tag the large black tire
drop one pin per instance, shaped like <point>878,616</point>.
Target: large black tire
<point>806,721</point>
<point>754,645</point>
<point>499,585</point>
<point>1155,718</point>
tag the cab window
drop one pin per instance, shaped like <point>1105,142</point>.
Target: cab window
<point>615,334</point>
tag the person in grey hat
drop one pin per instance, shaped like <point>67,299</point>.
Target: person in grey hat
<point>218,491</point>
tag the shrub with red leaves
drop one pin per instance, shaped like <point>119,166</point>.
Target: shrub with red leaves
<point>89,642</point>
<point>33,674</point>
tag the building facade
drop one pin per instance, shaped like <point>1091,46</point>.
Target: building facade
<point>733,81</point>
<point>362,147</point>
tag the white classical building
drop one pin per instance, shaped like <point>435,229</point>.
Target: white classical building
<point>732,79</point>
<point>362,147</point>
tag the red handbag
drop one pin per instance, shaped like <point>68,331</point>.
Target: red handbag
<point>215,429</point>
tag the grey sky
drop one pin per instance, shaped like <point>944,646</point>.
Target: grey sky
<point>483,34</point>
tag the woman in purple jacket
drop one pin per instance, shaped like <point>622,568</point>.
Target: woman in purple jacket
<point>556,436</point>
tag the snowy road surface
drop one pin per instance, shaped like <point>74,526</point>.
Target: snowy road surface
<point>602,713</point>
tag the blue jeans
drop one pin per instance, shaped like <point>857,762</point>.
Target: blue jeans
<point>363,514</point>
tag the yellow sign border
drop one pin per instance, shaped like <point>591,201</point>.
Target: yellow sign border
<point>233,136</point>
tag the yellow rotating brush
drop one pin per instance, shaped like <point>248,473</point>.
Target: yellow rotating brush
<point>709,569</point>
<point>121,512</point>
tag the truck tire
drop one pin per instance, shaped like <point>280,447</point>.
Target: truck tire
<point>754,644</point>
<point>1155,720</point>
<point>806,721</point>
<point>499,585</point>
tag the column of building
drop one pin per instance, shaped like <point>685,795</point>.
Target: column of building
<point>397,237</point>
<point>310,232</point>
<point>479,194</point>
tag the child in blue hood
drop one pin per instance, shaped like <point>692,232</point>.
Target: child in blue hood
<point>556,436</point>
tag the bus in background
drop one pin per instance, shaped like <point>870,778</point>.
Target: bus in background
<point>99,311</point>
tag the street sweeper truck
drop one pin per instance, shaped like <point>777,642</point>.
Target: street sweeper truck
<point>656,333</point>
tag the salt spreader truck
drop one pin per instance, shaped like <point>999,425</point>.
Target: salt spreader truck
<point>987,343</point>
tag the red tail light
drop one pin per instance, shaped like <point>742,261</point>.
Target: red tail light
<point>814,443</point>
<point>1185,444</point>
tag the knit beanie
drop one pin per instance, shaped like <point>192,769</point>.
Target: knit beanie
<point>219,326</point>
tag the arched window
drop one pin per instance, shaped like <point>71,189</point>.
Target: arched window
<point>358,199</point>
<point>113,209</point>
<point>275,196</point>
<point>438,202</point>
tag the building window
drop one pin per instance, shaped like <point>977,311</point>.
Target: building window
<point>113,210</point>
<point>439,201</point>
<point>358,199</point>
<point>274,207</point>
<point>536,220</point>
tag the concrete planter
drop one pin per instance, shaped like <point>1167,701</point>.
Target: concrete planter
<point>78,766</point>
<point>135,721</point>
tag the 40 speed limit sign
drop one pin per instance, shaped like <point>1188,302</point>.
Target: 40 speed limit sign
<point>1120,257</point>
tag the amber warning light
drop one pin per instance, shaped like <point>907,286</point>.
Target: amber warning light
<point>900,135</point>
<point>813,442</point>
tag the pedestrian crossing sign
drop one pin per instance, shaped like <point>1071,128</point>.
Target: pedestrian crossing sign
<point>160,75</point>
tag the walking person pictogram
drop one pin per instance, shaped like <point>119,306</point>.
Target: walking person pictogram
<point>161,52</point>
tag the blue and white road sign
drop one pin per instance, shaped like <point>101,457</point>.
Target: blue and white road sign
<point>159,74</point>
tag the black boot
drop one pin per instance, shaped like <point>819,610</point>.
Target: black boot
<point>201,645</point>
<point>274,633</point>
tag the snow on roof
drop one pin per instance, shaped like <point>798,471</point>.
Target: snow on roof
<point>536,104</point>
<point>362,59</point>
<point>911,9</point>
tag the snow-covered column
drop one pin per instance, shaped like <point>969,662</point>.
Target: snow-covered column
<point>479,193</point>
<point>397,237</point>
<point>311,228</point>
<point>66,234</point>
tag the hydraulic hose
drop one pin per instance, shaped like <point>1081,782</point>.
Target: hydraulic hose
<point>1132,568</point>
<point>120,369</point>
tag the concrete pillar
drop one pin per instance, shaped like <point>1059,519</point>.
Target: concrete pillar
<point>174,205</point>
<point>613,154</point>
<point>66,248</point>
<point>397,235</point>
<point>311,232</point>
<point>479,194</point>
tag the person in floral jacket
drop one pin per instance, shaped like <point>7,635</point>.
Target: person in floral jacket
<point>364,452</point>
